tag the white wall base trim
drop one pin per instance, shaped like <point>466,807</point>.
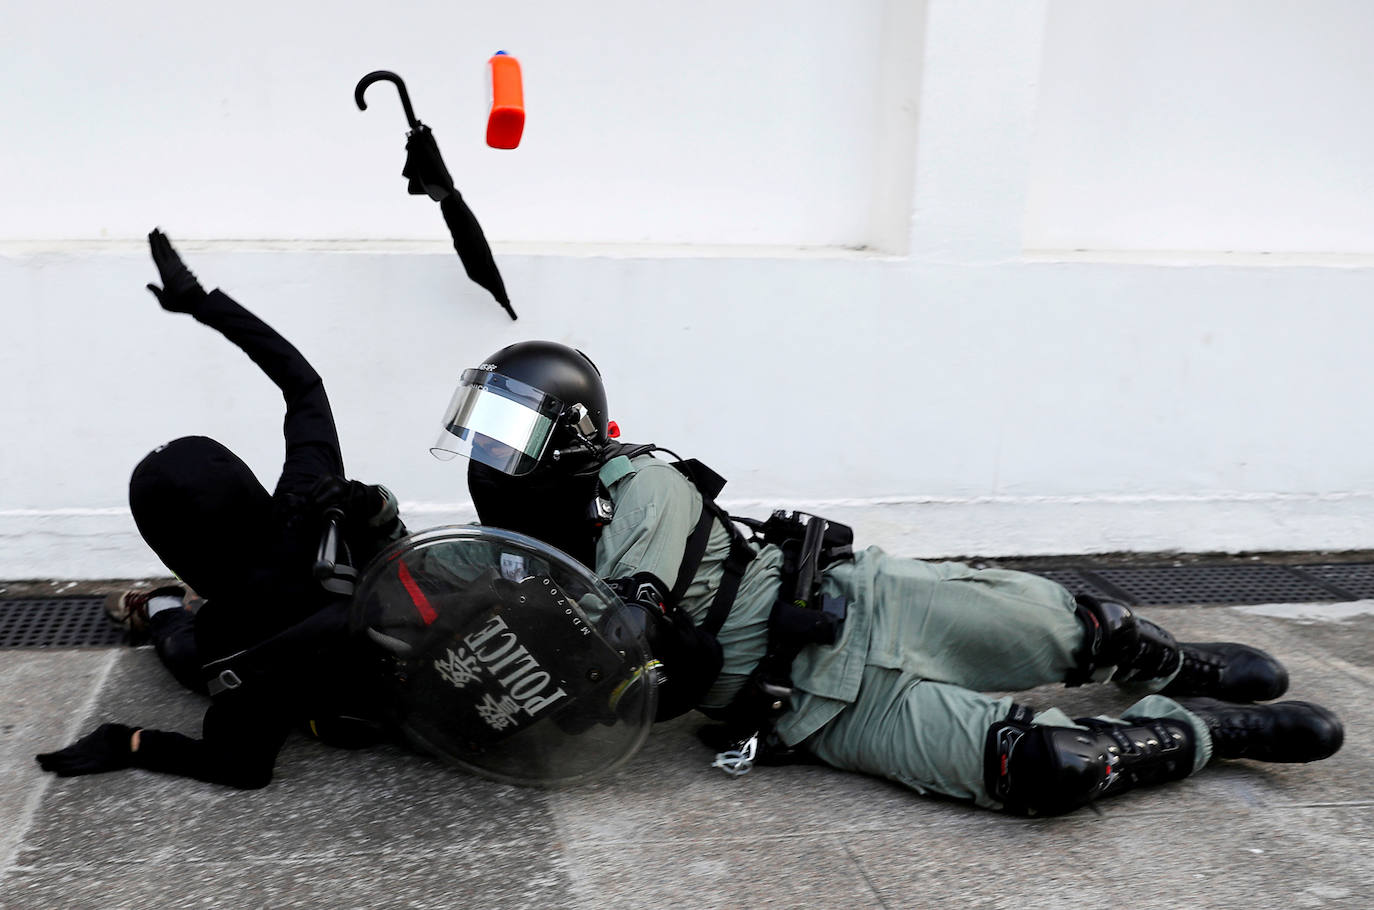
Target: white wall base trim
<point>103,542</point>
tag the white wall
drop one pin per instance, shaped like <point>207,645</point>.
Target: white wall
<point>714,122</point>
<point>1225,125</point>
<point>973,393</point>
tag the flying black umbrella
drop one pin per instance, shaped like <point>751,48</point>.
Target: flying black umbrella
<point>428,176</point>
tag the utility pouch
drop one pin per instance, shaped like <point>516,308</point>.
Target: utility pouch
<point>783,526</point>
<point>794,626</point>
<point>788,531</point>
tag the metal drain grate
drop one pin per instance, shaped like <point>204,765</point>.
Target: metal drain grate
<point>1356,580</point>
<point>1215,585</point>
<point>57,622</point>
<point>1079,583</point>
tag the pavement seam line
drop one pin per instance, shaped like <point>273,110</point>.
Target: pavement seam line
<point>1363,675</point>
<point>1299,644</point>
<point>18,829</point>
<point>863,873</point>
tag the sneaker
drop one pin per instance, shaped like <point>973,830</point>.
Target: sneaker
<point>130,608</point>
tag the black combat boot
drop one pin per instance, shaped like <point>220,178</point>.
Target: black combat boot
<point>1140,651</point>
<point>1289,731</point>
<point>1229,671</point>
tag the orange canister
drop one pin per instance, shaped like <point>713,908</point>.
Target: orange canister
<point>506,121</point>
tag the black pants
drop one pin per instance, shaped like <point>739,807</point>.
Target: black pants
<point>173,633</point>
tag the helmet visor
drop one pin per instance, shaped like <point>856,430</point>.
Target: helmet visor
<point>501,422</point>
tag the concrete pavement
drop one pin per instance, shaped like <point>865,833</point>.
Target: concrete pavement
<point>387,828</point>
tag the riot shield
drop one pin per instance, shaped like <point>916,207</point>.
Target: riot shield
<point>505,656</point>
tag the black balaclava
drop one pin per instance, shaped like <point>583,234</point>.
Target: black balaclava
<point>203,512</point>
<point>551,504</point>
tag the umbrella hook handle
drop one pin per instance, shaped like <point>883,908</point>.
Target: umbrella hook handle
<point>387,76</point>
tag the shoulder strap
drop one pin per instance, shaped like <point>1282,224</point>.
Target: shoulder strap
<point>615,449</point>
<point>692,554</point>
<point>709,484</point>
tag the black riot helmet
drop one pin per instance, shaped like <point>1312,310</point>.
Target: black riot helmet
<point>529,406</point>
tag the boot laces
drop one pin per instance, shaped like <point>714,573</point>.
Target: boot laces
<point>1200,668</point>
<point>1234,730</point>
<point>135,606</point>
<point>131,608</point>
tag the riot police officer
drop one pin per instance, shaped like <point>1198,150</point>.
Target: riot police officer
<point>865,661</point>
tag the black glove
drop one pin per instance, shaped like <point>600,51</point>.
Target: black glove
<point>425,166</point>
<point>360,503</point>
<point>180,291</point>
<point>107,748</point>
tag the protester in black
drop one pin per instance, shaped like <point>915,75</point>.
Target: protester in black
<point>249,555</point>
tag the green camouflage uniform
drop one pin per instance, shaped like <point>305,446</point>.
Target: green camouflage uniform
<point>900,694</point>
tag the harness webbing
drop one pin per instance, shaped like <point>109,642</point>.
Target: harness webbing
<point>735,564</point>
<point>709,484</point>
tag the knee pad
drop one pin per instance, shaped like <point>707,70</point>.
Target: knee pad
<point>1036,770</point>
<point>1040,770</point>
<point>1119,645</point>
